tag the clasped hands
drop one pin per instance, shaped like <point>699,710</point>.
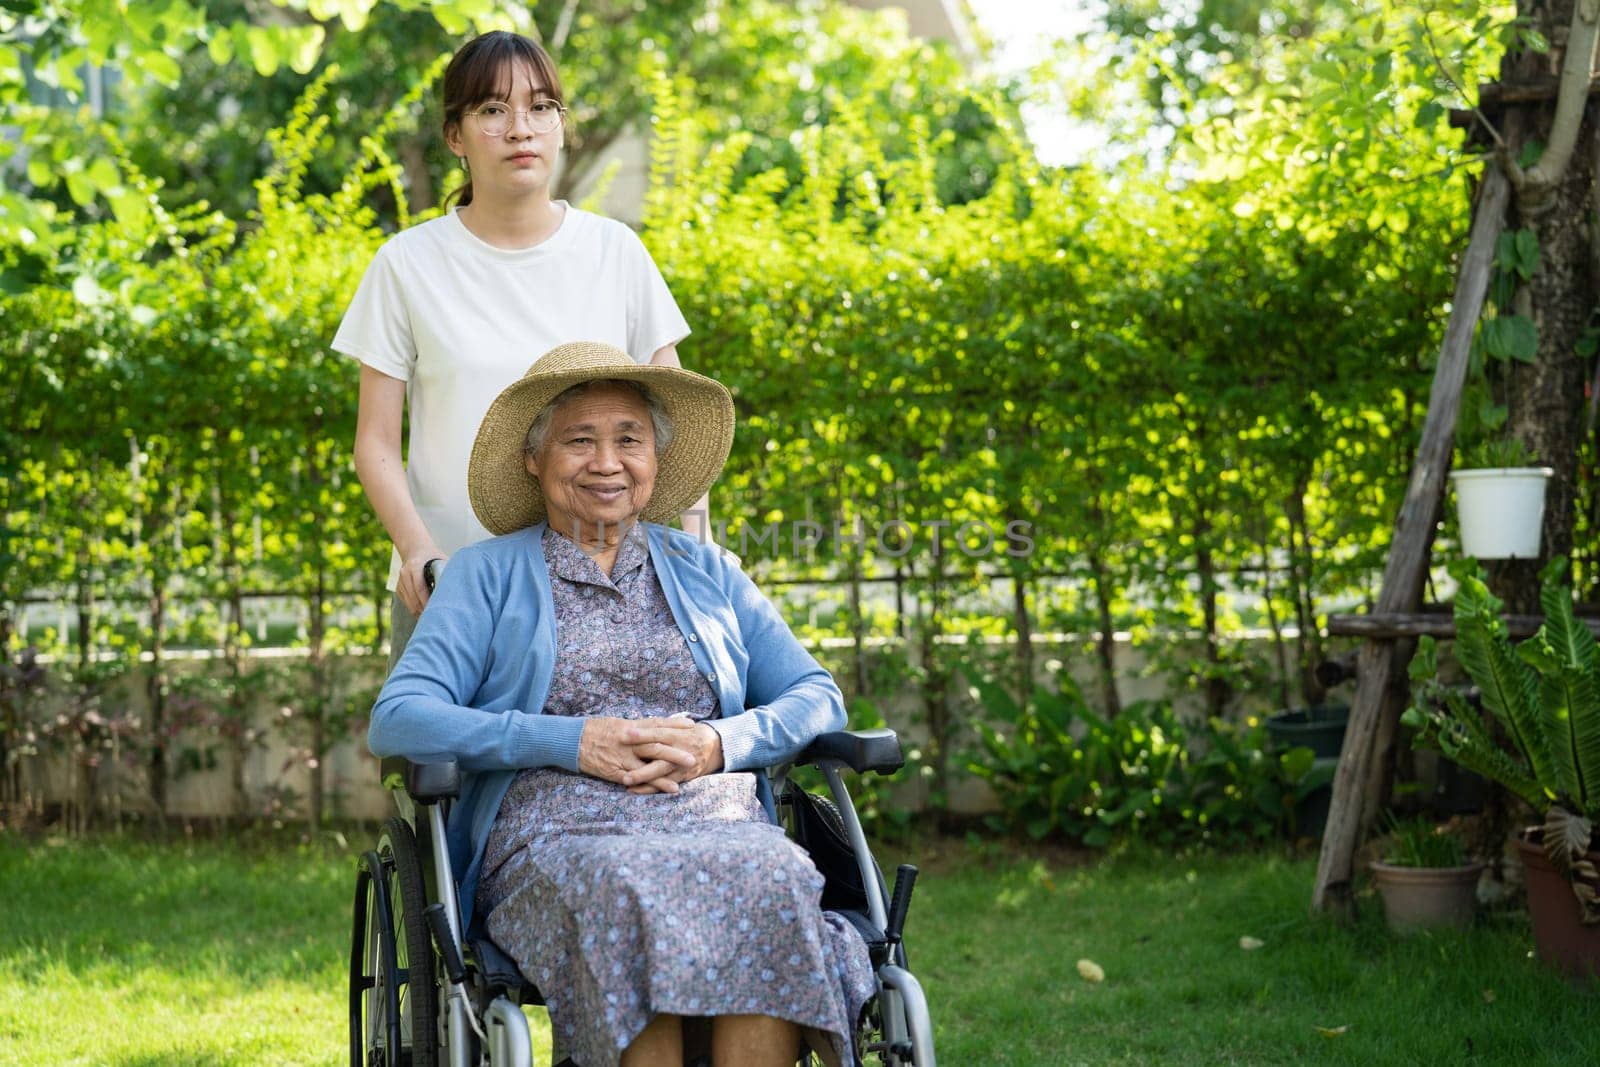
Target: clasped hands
<point>648,755</point>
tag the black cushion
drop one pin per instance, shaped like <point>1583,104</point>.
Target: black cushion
<point>860,750</point>
<point>425,782</point>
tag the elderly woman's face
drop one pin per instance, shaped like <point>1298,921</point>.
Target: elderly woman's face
<point>598,463</point>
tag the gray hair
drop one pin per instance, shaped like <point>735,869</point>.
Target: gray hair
<point>533,444</point>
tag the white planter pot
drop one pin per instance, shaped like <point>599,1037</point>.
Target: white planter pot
<point>1501,511</point>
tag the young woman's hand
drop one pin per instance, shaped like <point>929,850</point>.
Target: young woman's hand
<point>412,586</point>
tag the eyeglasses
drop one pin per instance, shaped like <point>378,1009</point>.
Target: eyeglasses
<point>496,120</point>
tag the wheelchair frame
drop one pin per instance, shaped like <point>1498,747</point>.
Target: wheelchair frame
<point>479,1019</point>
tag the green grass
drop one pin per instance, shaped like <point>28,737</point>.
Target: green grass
<point>998,946</point>
<point>216,952</point>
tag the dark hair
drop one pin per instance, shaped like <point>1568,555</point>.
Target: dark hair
<point>482,69</point>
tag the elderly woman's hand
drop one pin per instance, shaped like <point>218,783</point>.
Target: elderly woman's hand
<point>663,742</point>
<point>649,756</point>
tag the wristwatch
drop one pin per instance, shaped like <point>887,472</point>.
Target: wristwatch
<point>429,577</point>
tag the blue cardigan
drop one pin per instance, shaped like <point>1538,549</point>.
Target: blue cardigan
<point>472,683</point>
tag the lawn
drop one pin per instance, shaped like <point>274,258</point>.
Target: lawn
<point>217,952</point>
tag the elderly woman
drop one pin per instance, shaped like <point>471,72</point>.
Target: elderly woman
<point>611,686</point>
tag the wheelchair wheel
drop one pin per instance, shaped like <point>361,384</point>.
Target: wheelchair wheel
<point>394,998</point>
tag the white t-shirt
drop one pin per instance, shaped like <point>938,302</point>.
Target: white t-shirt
<point>458,320</point>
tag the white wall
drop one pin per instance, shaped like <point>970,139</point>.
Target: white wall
<point>351,774</point>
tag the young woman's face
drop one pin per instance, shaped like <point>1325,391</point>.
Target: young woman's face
<point>520,159</point>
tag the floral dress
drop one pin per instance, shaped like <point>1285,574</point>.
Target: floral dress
<point>621,906</point>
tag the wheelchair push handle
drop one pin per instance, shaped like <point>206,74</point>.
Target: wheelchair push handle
<point>449,952</point>
<point>905,880</point>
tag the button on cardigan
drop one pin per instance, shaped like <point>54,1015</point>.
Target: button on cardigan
<point>472,683</point>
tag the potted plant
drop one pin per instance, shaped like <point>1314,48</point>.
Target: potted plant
<point>1500,501</point>
<point>1425,878</point>
<point>1542,743</point>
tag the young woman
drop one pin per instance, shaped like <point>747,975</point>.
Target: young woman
<point>452,311</point>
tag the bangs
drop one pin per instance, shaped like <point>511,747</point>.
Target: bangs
<point>489,71</point>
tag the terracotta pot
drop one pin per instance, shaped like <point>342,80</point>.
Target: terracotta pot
<point>1559,936</point>
<point>1427,898</point>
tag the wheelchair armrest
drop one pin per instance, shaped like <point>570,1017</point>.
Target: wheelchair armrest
<point>860,750</point>
<point>424,782</point>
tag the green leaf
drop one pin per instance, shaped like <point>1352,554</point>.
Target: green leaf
<point>353,13</point>
<point>80,188</point>
<point>131,209</point>
<point>262,47</point>
<point>103,173</point>
<point>1516,253</point>
<point>1509,687</point>
<point>1382,68</point>
<point>1425,661</point>
<point>1588,343</point>
<point>1527,252</point>
<point>1572,702</point>
<point>1492,416</point>
<point>1511,337</point>
<point>1297,762</point>
<point>304,45</point>
<point>220,48</point>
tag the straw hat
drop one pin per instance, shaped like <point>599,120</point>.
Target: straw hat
<point>506,497</point>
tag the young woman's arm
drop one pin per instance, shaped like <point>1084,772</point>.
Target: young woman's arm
<point>697,520</point>
<point>383,476</point>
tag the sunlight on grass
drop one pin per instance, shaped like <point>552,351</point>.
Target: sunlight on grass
<point>998,951</point>
<point>178,954</point>
<point>216,953</point>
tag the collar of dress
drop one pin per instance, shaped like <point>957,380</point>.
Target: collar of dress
<point>566,560</point>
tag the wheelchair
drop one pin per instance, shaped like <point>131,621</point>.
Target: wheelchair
<point>420,996</point>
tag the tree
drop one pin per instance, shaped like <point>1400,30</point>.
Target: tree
<point>1554,190</point>
<point>58,60</point>
<point>765,66</point>
<point>1533,123</point>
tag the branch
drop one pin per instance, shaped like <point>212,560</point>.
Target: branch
<point>563,27</point>
<point>276,14</point>
<point>1455,83</point>
<point>1577,66</point>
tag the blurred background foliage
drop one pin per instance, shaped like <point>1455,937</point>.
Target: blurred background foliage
<point>1192,366</point>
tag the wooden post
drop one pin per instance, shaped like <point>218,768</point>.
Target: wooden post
<point>1432,623</point>
<point>1408,554</point>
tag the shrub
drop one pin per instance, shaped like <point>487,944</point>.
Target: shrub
<point>1059,769</point>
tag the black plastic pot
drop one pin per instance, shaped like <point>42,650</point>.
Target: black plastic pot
<point>1321,729</point>
<point>1459,791</point>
